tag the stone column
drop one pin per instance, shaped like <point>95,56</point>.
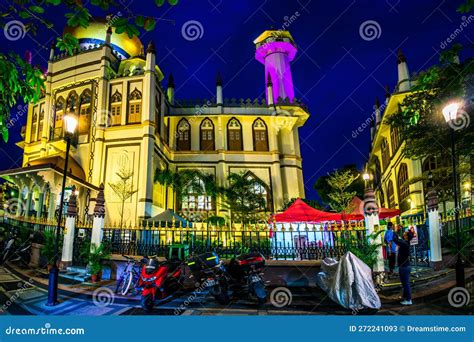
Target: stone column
<point>99,218</point>
<point>372,224</point>
<point>69,228</point>
<point>39,205</point>
<point>28,202</point>
<point>436,255</point>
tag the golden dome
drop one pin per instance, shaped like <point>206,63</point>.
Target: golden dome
<point>95,34</point>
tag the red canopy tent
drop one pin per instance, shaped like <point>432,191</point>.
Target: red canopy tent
<point>299,211</point>
<point>357,211</point>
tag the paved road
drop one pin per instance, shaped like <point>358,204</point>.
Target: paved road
<point>18,297</point>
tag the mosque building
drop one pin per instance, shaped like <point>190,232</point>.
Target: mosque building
<point>129,126</point>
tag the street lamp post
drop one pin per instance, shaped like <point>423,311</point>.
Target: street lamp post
<point>70,124</point>
<point>450,113</point>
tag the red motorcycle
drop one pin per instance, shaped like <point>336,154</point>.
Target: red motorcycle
<point>158,280</point>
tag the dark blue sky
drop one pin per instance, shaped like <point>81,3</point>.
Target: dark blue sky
<point>336,73</point>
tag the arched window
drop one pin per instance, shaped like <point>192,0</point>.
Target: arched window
<point>390,195</point>
<point>381,198</point>
<point>58,118</point>
<point>259,188</point>
<point>71,101</point>
<point>183,137</point>
<point>41,122</point>
<point>395,139</point>
<point>377,172</point>
<point>85,112</point>
<point>403,187</point>
<point>194,199</point>
<point>115,109</point>
<point>234,135</point>
<point>34,121</point>
<point>260,135</point>
<point>385,154</point>
<point>135,107</point>
<point>207,135</point>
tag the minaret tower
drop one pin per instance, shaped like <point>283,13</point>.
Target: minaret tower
<point>275,50</point>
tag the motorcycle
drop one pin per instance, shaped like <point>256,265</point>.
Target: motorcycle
<point>13,253</point>
<point>210,273</point>
<point>246,271</point>
<point>158,280</point>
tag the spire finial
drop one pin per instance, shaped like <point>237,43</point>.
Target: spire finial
<point>269,80</point>
<point>219,79</point>
<point>151,48</point>
<point>387,91</point>
<point>401,57</point>
<point>377,103</point>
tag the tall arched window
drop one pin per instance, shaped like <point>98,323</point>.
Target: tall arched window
<point>385,153</point>
<point>390,195</point>
<point>403,187</point>
<point>194,199</point>
<point>381,198</point>
<point>134,107</point>
<point>57,124</point>
<point>183,137</point>
<point>260,135</point>
<point>207,135</point>
<point>115,109</point>
<point>85,112</point>
<point>395,139</point>
<point>234,135</point>
<point>377,172</point>
<point>41,122</point>
<point>34,121</point>
<point>259,188</point>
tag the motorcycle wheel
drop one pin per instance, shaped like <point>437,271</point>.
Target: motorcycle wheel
<point>260,293</point>
<point>221,294</point>
<point>147,303</point>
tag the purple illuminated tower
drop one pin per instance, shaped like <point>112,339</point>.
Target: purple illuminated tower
<point>275,50</point>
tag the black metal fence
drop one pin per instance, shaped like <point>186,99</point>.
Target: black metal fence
<point>301,243</point>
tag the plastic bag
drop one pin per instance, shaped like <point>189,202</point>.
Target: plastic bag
<point>348,283</point>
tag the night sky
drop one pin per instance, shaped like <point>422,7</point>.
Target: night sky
<point>336,72</point>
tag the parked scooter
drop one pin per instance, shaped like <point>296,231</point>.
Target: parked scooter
<point>158,280</point>
<point>14,252</point>
<point>246,271</point>
<point>210,273</point>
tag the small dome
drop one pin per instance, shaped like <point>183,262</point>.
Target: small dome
<point>95,34</point>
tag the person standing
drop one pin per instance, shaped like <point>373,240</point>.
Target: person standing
<point>403,261</point>
<point>391,247</point>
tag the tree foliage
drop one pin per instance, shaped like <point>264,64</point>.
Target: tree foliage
<point>21,81</point>
<point>341,195</point>
<point>123,188</point>
<point>324,189</point>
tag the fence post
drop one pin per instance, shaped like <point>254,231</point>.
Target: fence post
<point>436,255</point>
<point>372,224</point>
<point>99,218</point>
<point>69,228</point>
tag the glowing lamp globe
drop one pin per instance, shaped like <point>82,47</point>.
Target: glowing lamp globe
<point>70,123</point>
<point>365,176</point>
<point>450,111</point>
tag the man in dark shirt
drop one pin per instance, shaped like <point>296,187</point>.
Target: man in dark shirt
<point>403,261</point>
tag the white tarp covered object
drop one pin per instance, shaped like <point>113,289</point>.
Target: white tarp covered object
<point>348,282</point>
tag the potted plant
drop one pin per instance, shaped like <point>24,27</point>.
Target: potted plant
<point>47,251</point>
<point>96,255</point>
